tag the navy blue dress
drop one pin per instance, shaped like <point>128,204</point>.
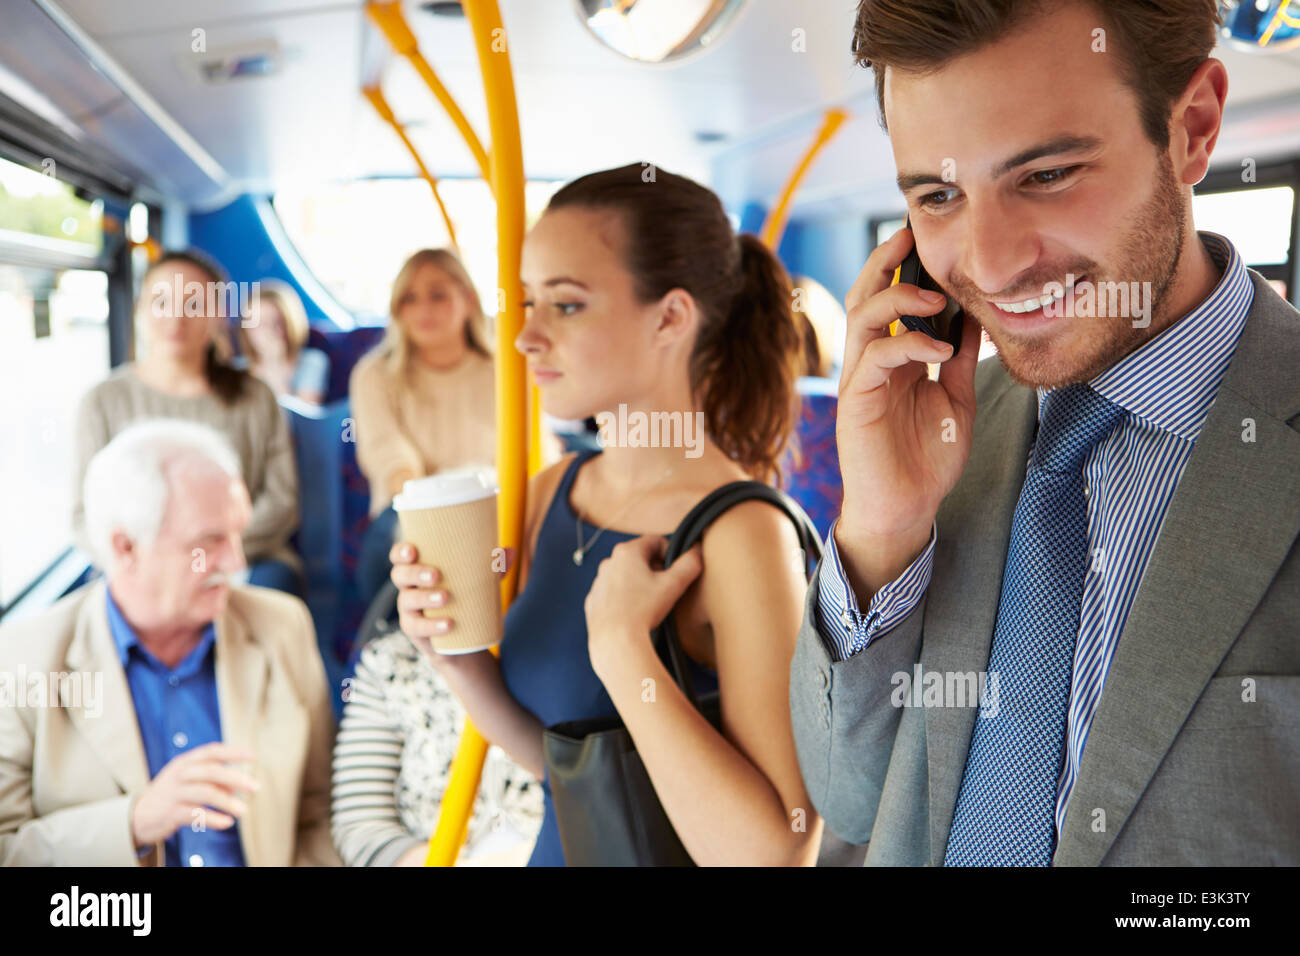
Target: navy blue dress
<point>544,658</point>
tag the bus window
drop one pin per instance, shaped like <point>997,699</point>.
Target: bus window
<point>53,347</point>
<point>884,228</point>
<point>397,217</point>
<point>54,344</point>
<point>1258,222</point>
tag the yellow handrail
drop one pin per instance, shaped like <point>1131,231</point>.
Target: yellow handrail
<point>376,98</point>
<point>507,179</point>
<point>774,226</point>
<point>390,20</point>
<point>1280,18</point>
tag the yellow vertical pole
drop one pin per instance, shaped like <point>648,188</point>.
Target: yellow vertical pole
<point>507,168</point>
<point>774,226</point>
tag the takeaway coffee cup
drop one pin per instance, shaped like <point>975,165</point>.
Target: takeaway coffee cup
<point>451,517</point>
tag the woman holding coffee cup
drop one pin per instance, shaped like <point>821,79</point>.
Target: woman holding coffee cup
<point>641,301</point>
<point>424,399</point>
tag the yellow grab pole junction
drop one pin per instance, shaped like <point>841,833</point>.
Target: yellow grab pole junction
<point>392,23</point>
<point>774,227</point>
<point>507,179</point>
<point>376,98</point>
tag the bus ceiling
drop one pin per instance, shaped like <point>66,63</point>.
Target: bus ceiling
<point>204,101</point>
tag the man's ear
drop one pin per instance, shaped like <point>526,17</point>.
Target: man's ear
<point>1196,120</point>
<point>678,315</point>
<point>123,547</point>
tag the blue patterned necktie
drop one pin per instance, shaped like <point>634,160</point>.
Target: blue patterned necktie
<point>1006,808</point>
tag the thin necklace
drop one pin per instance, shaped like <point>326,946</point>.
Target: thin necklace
<point>581,553</point>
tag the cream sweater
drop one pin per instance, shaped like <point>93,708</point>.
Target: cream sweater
<point>423,420</point>
<point>255,426</point>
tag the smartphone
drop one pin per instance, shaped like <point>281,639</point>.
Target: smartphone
<point>944,326</point>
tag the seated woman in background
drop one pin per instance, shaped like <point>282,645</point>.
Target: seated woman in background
<point>824,327</point>
<point>273,341</point>
<point>185,373</point>
<point>392,761</point>
<point>424,399</point>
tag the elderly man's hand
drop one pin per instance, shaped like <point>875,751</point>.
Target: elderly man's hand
<point>200,785</point>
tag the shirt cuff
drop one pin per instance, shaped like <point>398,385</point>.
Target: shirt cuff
<point>844,628</point>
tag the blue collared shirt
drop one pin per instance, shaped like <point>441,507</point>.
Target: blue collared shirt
<point>177,711</point>
<point>1167,387</point>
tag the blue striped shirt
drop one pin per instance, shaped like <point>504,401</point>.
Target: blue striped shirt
<point>1167,387</point>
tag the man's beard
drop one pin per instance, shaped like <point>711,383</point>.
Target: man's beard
<point>1150,253</point>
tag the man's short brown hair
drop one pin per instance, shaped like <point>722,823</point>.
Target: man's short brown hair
<point>1160,42</point>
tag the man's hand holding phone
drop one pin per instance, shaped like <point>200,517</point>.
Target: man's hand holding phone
<point>903,439</point>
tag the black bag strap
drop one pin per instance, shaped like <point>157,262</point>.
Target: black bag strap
<point>691,531</point>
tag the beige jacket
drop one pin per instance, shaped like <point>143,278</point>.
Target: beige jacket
<point>69,777</point>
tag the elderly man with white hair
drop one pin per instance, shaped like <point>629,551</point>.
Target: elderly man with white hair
<point>211,743</point>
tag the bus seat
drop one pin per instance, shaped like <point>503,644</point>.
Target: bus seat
<point>815,483</point>
<point>334,502</point>
<point>344,350</point>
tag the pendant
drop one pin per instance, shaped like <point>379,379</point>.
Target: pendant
<point>577,557</point>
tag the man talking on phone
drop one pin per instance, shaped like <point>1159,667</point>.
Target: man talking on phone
<point>1057,619</point>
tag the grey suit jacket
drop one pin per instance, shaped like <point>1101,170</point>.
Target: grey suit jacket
<point>1178,767</point>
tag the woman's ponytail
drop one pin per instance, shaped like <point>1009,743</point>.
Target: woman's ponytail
<point>744,367</point>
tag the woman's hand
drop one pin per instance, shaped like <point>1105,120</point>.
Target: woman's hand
<point>419,598</point>
<point>632,594</point>
<point>417,592</point>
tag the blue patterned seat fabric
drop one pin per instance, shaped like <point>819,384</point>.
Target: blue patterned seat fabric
<point>815,482</point>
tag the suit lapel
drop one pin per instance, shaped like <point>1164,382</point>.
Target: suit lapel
<point>973,532</point>
<point>241,684</point>
<point>1230,525</point>
<point>115,732</point>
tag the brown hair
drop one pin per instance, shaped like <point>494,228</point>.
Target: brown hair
<point>296,326</point>
<point>226,381</point>
<point>749,348</point>
<point>812,352</point>
<point>395,343</point>
<point>1160,42</point>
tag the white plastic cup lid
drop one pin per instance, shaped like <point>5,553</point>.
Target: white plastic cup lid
<point>456,486</point>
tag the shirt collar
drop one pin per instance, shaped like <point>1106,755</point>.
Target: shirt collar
<point>1172,380</point>
<point>125,638</point>
<point>123,633</point>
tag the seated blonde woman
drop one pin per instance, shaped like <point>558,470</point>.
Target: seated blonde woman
<point>424,399</point>
<point>273,341</point>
